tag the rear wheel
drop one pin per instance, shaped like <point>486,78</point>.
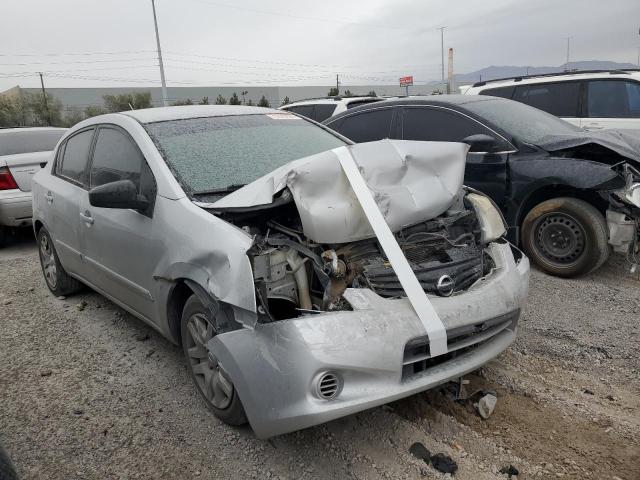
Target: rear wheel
<point>566,237</point>
<point>56,278</point>
<point>4,236</point>
<point>212,382</point>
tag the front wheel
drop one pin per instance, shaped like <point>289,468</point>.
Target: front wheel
<point>212,382</point>
<point>566,237</point>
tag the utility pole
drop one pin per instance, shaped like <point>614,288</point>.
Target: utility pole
<point>44,97</point>
<point>442,52</point>
<point>165,101</point>
<point>337,84</point>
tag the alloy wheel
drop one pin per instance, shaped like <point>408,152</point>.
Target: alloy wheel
<point>210,378</point>
<point>48,260</point>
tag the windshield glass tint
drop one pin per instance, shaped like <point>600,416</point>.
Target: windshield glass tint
<point>212,153</point>
<point>521,121</point>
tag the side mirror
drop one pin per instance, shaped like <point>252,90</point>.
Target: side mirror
<point>481,143</point>
<point>119,194</point>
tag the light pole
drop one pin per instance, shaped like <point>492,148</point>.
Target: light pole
<point>165,100</point>
<point>568,50</point>
<point>442,52</point>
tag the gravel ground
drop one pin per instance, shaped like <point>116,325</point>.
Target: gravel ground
<point>87,391</point>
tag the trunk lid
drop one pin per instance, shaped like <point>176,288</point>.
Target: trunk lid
<point>24,166</point>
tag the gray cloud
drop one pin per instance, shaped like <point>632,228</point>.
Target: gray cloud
<point>207,42</point>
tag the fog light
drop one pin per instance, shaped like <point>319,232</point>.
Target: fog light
<point>328,385</point>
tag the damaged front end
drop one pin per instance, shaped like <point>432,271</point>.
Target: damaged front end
<point>623,215</point>
<point>361,303</point>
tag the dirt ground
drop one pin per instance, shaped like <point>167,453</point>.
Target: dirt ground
<point>87,391</point>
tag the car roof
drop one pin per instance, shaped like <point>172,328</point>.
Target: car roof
<point>453,99</point>
<point>162,114</point>
<point>331,100</point>
<point>557,77</point>
<point>31,129</point>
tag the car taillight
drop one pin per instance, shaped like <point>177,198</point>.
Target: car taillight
<point>6,179</point>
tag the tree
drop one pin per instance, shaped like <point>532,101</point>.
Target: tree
<point>220,100</point>
<point>179,103</point>
<point>94,110</point>
<point>243,93</point>
<point>204,101</point>
<point>264,102</point>
<point>286,101</point>
<point>347,93</point>
<point>372,93</point>
<point>41,113</point>
<point>234,100</point>
<point>127,101</point>
<point>334,92</point>
<point>73,116</point>
<point>249,103</point>
<point>12,111</point>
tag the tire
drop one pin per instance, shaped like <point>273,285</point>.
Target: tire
<point>55,276</point>
<point>7,471</point>
<point>566,237</point>
<point>212,383</point>
<point>4,236</point>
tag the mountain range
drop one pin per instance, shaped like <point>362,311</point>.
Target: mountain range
<point>493,72</point>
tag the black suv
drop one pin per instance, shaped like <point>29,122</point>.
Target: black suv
<point>567,194</point>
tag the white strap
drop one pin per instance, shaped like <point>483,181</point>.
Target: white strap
<point>419,300</point>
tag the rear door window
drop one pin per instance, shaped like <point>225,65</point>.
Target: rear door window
<point>304,110</point>
<point>503,92</point>
<point>438,125</point>
<point>367,126</point>
<point>324,111</point>
<point>613,99</point>
<point>560,99</point>
<point>73,162</point>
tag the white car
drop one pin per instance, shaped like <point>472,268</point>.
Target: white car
<point>594,100</point>
<point>319,109</point>
<point>23,151</point>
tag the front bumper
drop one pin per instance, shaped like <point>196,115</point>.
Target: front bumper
<point>15,208</point>
<point>275,367</point>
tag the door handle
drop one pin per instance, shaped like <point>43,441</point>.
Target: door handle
<point>49,197</point>
<point>86,216</point>
<point>593,126</point>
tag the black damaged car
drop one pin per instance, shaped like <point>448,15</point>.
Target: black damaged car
<point>569,196</point>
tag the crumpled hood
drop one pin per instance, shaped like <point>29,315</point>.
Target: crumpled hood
<point>410,182</point>
<point>622,142</point>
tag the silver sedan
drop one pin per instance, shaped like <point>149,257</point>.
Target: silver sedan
<point>305,277</point>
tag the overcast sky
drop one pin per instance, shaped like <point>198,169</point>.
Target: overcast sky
<point>301,42</point>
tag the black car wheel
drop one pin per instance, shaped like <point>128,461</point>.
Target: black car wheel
<point>566,237</point>
<point>56,278</point>
<point>212,382</point>
<point>7,472</point>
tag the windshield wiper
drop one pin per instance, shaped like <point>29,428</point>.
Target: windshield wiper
<point>217,191</point>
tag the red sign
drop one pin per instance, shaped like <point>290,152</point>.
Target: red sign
<point>406,81</point>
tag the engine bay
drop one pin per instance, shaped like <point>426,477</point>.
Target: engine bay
<point>294,275</point>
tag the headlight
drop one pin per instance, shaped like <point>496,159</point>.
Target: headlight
<point>491,222</point>
<point>631,192</point>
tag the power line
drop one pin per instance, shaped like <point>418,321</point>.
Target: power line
<point>73,54</point>
<point>76,62</point>
<point>299,17</point>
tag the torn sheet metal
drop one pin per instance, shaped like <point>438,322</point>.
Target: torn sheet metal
<point>410,182</point>
<point>623,142</point>
<point>416,295</point>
